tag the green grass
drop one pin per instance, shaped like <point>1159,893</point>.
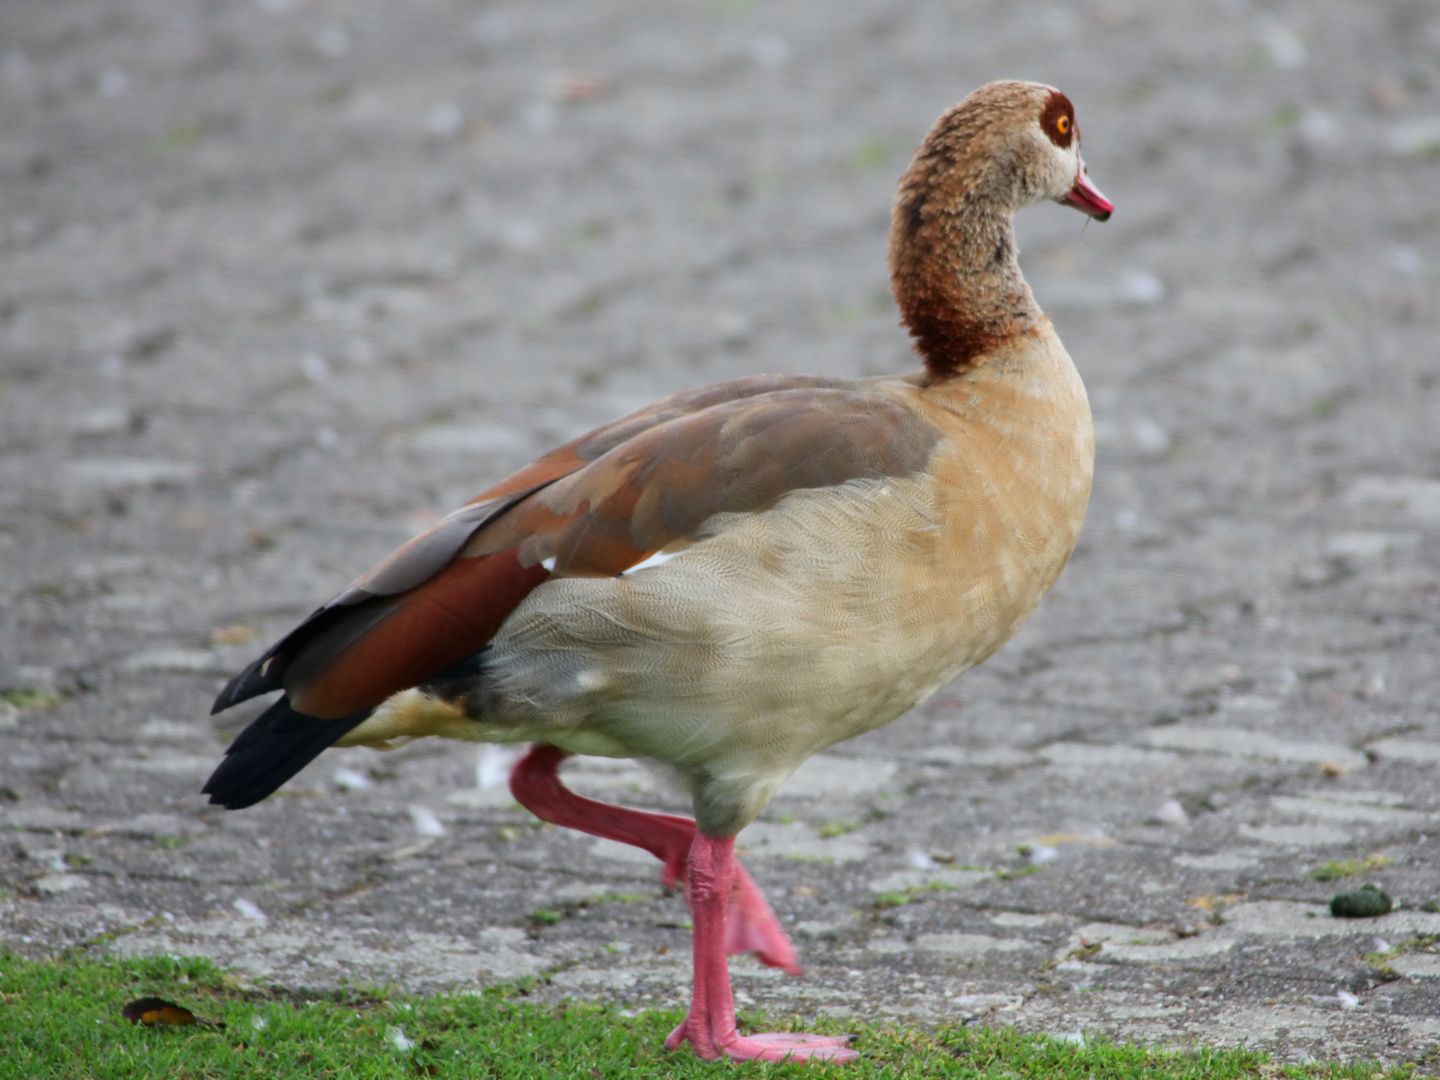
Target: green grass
<point>1335,871</point>
<point>31,699</point>
<point>61,1020</point>
<point>1422,943</point>
<point>901,897</point>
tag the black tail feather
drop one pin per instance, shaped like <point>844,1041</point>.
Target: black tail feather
<point>259,678</point>
<point>276,746</point>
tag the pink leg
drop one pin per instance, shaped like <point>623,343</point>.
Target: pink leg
<point>709,1027</point>
<point>535,783</point>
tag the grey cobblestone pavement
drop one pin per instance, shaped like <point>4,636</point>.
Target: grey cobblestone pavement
<point>282,280</point>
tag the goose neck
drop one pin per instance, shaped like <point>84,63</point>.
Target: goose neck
<point>957,280</point>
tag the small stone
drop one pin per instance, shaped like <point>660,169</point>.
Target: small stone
<point>1170,812</point>
<point>1347,1000</point>
<point>1366,902</point>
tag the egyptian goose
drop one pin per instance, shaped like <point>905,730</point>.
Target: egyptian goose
<point>737,577</point>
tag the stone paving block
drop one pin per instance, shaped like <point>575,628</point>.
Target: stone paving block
<point>1417,966</point>
<point>1415,751</point>
<point>1239,742</point>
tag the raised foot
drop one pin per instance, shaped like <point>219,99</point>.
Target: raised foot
<point>771,1046</point>
<point>752,927</point>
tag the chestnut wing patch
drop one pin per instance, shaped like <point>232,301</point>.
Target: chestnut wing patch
<point>376,597</point>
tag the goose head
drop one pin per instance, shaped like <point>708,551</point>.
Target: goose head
<point>1007,146</point>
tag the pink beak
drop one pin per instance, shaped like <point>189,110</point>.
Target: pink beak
<point>1086,197</point>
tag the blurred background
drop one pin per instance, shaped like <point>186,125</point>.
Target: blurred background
<point>282,280</point>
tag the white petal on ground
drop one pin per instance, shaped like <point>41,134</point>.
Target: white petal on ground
<point>426,823</point>
<point>398,1040</point>
<point>493,764</point>
<point>350,779</point>
<point>248,909</point>
<point>919,860</point>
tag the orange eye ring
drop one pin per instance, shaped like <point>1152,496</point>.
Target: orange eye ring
<point>1063,125</point>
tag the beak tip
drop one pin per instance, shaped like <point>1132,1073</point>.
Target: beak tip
<point>1086,197</point>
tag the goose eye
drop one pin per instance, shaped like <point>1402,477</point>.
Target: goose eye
<point>1063,125</point>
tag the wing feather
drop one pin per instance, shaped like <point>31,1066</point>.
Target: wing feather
<point>425,631</point>
<point>660,487</point>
